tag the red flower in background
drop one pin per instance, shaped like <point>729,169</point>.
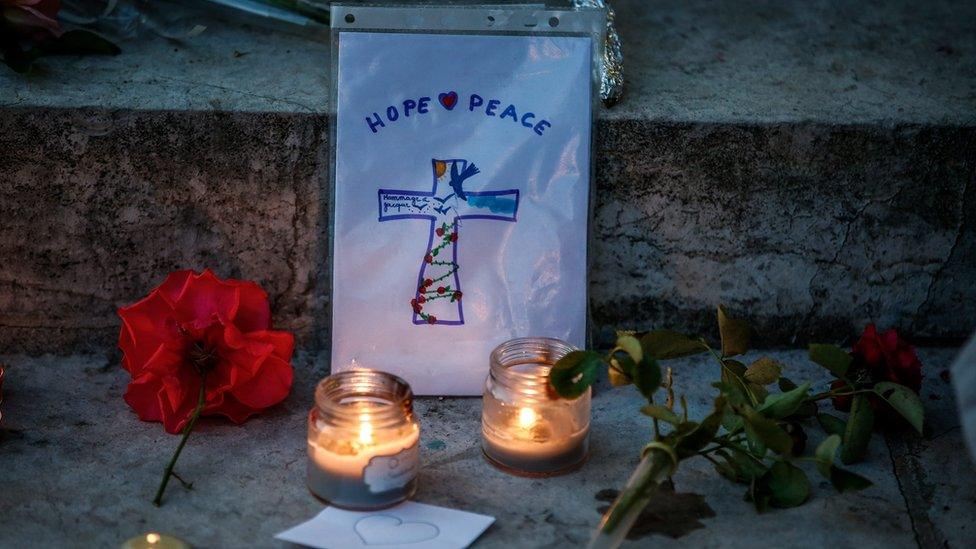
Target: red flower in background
<point>29,15</point>
<point>197,327</point>
<point>880,357</point>
<point>887,357</point>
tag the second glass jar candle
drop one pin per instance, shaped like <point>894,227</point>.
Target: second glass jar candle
<point>526,429</point>
<point>363,440</point>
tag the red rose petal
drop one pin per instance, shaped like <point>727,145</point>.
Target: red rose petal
<point>145,327</point>
<point>230,408</point>
<point>142,395</point>
<point>269,387</point>
<point>254,312</point>
<point>205,297</point>
<point>175,283</point>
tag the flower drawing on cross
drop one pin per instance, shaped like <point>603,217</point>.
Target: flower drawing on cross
<point>438,296</point>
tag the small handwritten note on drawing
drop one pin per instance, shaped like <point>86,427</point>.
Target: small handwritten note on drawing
<point>408,525</point>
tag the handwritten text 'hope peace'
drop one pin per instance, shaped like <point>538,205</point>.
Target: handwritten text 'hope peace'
<point>449,100</point>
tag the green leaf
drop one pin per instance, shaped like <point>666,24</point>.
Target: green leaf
<point>786,385</point>
<point>630,345</point>
<point>732,372</point>
<point>647,377</point>
<point>731,421</point>
<point>764,371</point>
<point>758,392</point>
<point>666,344</point>
<point>727,470</point>
<point>825,454</point>
<point>860,423</point>
<point>621,368</point>
<point>703,433</point>
<point>847,481</point>
<point>80,42</point>
<point>841,479</point>
<point>657,411</point>
<point>832,425</point>
<point>904,400</point>
<point>574,373</point>
<point>788,484</point>
<point>759,495</point>
<point>731,392</point>
<point>766,431</point>
<point>735,334</point>
<point>783,405</point>
<point>746,467</point>
<point>757,447</point>
<point>831,357</point>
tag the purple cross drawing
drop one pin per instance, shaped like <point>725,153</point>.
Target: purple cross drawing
<point>437,299</point>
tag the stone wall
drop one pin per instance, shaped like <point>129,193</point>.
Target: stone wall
<point>810,230</point>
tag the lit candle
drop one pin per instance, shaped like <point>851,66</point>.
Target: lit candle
<point>525,430</point>
<point>363,440</point>
<point>155,540</point>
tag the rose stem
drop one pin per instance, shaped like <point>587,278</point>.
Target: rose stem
<point>158,500</point>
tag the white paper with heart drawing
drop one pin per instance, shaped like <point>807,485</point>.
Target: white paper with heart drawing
<point>408,525</point>
<point>461,200</point>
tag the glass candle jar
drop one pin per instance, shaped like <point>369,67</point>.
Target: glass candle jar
<point>363,440</point>
<point>526,429</point>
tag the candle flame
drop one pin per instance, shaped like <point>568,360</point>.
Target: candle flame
<point>152,538</point>
<point>526,418</point>
<point>365,429</point>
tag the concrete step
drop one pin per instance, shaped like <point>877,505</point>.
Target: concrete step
<point>810,166</point>
<point>109,464</point>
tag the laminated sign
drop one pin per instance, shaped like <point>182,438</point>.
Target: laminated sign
<point>461,189</point>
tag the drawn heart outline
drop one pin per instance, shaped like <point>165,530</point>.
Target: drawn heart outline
<point>387,530</point>
<point>448,100</point>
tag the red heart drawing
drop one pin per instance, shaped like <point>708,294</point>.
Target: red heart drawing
<point>448,100</point>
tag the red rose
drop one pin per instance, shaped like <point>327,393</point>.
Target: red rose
<point>880,357</point>
<point>886,357</point>
<point>197,326</point>
<point>32,14</point>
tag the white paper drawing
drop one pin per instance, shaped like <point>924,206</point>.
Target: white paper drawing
<point>461,201</point>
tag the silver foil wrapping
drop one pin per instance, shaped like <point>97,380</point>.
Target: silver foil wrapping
<point>612,71</point>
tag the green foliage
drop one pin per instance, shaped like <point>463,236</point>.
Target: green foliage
<point>574,373</point>
<point>629,364</point>
<point>860,423</point>
<point>831,357</point>
<point>787,484</point>
<point>766,431</point>
<point>702,433</point>
<point>764,371</point>
<point>756,431</point>
<point>784,405</point>
<point>659,412</point>
<point>904,401</point>
<point>735,334</point>
<point>667,344</point>
<point>630,345</point>
<point>832,425</point>
<point>842,479</point>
